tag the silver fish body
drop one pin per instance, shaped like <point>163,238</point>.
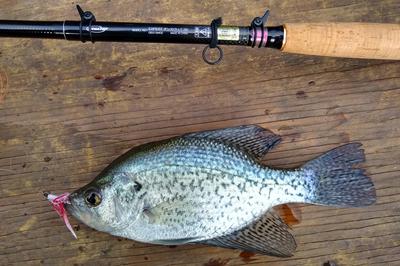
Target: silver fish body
<point>200,187</point>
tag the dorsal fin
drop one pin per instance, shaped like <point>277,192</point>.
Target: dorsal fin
<point>268,235</point>
<point>253,139</point>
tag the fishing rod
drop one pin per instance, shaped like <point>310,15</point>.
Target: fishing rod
<point>352,40</point>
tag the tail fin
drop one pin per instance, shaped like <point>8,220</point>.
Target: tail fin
<point>337,182</point>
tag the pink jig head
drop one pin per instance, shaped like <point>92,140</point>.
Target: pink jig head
<point>58,205</point>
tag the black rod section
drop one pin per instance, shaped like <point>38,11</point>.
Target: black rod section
<point>31,29</point>
<point>142,32</point>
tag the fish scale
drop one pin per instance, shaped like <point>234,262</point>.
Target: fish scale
<point>219,169</point>
<point>205,152</point>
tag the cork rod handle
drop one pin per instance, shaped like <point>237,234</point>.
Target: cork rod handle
<point>354,40</point>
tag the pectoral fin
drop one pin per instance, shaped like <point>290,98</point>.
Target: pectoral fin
<point>269,236</point>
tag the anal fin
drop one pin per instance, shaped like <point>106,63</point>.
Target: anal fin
<point>269,235</point>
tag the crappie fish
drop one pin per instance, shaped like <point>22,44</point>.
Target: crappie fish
<point>210,187</point>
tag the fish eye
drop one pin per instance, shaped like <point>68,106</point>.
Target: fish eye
<point>92,197</point>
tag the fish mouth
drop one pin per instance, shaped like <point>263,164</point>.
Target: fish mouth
<point>71,209</point>
<point>74,207</point>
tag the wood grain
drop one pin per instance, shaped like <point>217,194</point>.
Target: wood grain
<point>68,109</point>
<point>351,40</point>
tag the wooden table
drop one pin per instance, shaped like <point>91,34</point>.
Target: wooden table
<point>68,109</point>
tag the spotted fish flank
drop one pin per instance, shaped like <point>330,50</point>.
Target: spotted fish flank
<point>210,187</point>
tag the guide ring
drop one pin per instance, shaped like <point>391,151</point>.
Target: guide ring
<point>209,60</point>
